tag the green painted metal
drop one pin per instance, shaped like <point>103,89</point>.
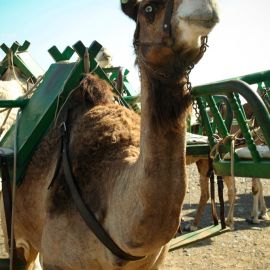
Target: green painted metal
<point>18,103</point>
<point>257,167</point>
<point>126,92</point>
<point>241,120</point>
<point>4,264</point>
<point>243,168</point>
<point>193,237</point>
<point>58,56</point>
<point>252,78</point>
<point>21,59</point>
<point>198,150</point>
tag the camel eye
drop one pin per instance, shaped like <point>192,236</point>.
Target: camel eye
<point>148,9</point>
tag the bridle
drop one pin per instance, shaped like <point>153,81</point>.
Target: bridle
<point>167,26</point>
<point>167,30</point>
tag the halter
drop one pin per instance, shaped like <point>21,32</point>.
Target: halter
<point>167,28</point>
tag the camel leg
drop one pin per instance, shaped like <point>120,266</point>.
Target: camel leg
<point>255,208</point>
<point>262,205</point>
<point>159,263</point>
<point>203,167</point>
<point>231,197</point>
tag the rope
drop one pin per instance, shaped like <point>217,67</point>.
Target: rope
<point>58,108</point>
<point>87,67</point>
<point>5,120</point>
<point>257,135</point>
<point>215,152</point>
<point>13,70</point>
<point>232,162</point>
<point>26,94</point>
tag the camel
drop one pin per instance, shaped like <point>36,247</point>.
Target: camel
<point>130,171</point>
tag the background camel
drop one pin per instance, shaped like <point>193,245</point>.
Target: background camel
<point>203,167</point>
<point>130,171</point>
<point>259,209</point>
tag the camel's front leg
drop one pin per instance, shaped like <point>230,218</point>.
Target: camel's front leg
<point>159,263</point>
<point>203,168</point>
<point>230,183</point>
<point>262,205</point>
<point>256,194</point>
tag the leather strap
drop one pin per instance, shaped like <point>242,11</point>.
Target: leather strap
<point>167,28</point>
<point>7,200</point>
<point>84,211</point>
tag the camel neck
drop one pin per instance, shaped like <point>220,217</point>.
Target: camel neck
<point>152,188</point>
<point>163,115</point>
<point>162,159</point>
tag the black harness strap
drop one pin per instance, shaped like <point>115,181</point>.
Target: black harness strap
<point>84,211</point>
<point>7,201</point>
<point>211,175</point>
<point>167,28</point>
<point>221,201</point>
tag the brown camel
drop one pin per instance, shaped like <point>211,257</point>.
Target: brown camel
<point>129,172</point>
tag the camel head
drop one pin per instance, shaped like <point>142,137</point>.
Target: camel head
<point>170,31</point>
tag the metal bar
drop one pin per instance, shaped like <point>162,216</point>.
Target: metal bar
<point>228,87</point>
<point>17,103</point>
<point>250,78</point>
<point>241,119</point>
<point>217,116</point>
<point>206,122</point>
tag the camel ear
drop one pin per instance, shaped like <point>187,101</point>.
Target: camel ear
<point>130,8</point>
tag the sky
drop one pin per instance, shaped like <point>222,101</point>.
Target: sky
<point>239,45</point>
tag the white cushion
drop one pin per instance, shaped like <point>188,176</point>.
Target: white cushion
<point>196,139</point>
<point>244,152</point>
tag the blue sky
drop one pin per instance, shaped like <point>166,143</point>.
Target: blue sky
<point>240,44</point>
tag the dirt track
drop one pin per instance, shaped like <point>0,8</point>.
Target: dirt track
<point>246,248</point>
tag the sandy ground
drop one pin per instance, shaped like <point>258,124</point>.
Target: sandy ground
<point>245,248</point>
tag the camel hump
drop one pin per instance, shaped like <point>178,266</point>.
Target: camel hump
<point>96,91</point>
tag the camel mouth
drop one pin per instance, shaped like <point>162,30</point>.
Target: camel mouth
<point>203,23</point>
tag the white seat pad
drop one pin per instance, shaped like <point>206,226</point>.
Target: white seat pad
<point>196,139</point>
<point>244,152</point>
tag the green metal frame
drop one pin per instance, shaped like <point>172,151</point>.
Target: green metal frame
<point>133,101</point>
<point>257,167</point>
<point>21,59</point>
